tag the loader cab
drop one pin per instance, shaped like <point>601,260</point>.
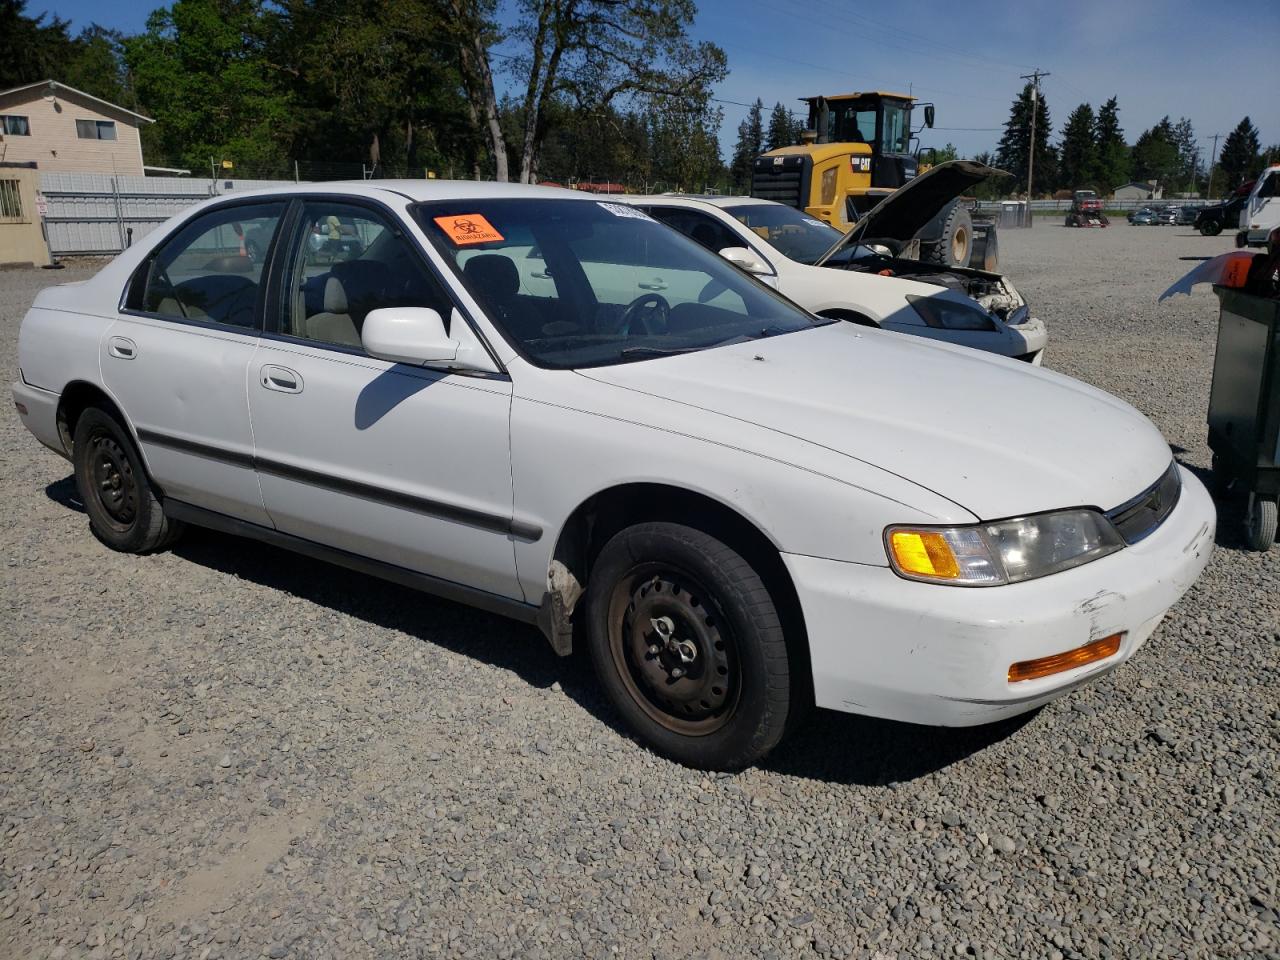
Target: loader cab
<point>880,120</point>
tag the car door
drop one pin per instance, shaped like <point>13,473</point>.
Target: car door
<point>177,355</point>
<point>402,464</point>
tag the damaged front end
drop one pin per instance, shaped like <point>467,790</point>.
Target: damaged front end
<point>991,291</point>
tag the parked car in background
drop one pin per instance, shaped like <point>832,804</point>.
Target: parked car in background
<point>1261,212</point>
<point>857,278</point>
<point>738,507</point>
<point>1187,215</point>
<point>1211,220</point>
<point>1146,217</point>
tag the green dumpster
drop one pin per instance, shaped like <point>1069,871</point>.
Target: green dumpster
<point>1244,407</point>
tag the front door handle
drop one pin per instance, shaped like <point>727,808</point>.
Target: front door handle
<point>281,379</point>
<point>122,348</point>
<point>657,283</point>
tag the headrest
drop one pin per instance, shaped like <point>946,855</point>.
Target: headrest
<point>335,296</point>
<point>492,275</point>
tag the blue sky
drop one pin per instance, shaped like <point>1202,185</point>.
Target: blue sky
<point>1212,64</point>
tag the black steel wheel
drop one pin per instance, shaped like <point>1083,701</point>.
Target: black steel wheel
<point>1210,228</point>
<point>687,643</point>
<point>124,511</point>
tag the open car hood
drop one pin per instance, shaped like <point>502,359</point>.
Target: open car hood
<point>903,213</point>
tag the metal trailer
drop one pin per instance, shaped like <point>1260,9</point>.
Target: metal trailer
<point>1244,407</point>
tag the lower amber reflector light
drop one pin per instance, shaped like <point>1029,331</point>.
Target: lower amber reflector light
<point>1046,666</point>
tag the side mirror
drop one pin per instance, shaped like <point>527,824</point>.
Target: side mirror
<point>745,259</point>
<point>413,335</point>
<point>928,115</point>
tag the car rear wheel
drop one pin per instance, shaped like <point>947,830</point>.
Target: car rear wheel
<point>688,644</point>
<point>1210,228</point>
<point>124,511</point>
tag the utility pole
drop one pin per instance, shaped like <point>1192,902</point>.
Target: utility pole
<point>1213,157</point>
<point>1034,77</point>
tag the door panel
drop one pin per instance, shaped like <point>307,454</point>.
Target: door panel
<point>183,390</point>
<point>397,463</point>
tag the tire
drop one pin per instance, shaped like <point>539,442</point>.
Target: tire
<point>1260,525</point>
<point>953,244</point>
<point>1210,228</point>
<point>688,645</point>
<point>124,512</point>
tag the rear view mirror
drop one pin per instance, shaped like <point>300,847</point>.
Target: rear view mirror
<point>928,115</point>
<point>747,260</point>
<point>413,335</point>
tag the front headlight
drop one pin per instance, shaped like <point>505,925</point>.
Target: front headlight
<point>950,314</point>
<point>1007,551</point>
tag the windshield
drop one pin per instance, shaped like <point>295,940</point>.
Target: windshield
<point>585,283</point>
<point>795,234</point>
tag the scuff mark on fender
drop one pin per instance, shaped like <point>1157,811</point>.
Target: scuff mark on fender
<point>1094,608</point>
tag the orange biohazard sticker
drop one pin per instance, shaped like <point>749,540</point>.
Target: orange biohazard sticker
<point>468,228</point>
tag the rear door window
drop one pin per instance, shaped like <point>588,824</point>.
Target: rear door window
<point>211,270</point>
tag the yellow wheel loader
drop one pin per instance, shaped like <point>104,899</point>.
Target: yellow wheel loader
<point>857,151</point>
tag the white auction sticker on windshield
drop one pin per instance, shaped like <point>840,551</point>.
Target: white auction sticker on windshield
<point>622,210</point>
<point>816,223</point>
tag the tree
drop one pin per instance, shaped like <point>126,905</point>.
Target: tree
<point>749,146</point>
<point>203,72</point>
<point>1113,164</point>
<point>783,130</point>
<point>1015,148</point>
<point>34,50</point>
<point>1155,156</point>
<point>1239,158</point>
<point>1078,166</point>
<point>1184,141</point>
<point>592,52</point>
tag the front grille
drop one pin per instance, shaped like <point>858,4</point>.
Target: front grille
<point>1142,515</point>
<point>786,181</point>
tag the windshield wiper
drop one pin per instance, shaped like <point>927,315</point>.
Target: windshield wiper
<point>642,353</point>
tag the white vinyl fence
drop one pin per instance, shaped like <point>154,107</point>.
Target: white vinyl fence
<point>101,214</point>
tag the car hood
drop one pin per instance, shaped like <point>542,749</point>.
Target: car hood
<point>903,213</point>
<point>998,437</point>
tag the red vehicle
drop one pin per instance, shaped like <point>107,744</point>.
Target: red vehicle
<point>1086,210</point>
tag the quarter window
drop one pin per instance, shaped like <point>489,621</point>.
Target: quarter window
<point>14,126</point>
<point>96,129</point>
<point>211,270</point>
<point>348,261</point>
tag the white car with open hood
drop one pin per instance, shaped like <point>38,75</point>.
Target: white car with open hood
<point>858,276</point>
<point>738,507</point>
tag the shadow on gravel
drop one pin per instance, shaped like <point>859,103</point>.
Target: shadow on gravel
<point>1231,509</point>
<point>845,748</point>
<point>830,746</point>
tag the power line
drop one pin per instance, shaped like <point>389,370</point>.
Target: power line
<point>1034,77</point>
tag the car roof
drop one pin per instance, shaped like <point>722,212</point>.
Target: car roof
<point>424,190</point>
<point>713,200</point>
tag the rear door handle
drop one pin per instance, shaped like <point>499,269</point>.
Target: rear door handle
<point>281,379</point>
<point>122,348</point>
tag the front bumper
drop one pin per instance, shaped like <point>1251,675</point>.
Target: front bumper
<point>41,416</point>
<point>932,654</point>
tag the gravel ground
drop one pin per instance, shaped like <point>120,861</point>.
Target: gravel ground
<point>228,751</point>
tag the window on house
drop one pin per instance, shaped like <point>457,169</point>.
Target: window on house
<point>96,129</point>
<point>12,125</point>
<point>10,202</point>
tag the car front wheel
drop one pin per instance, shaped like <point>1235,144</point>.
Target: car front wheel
<point>688,644</point>
<point>124,511</point>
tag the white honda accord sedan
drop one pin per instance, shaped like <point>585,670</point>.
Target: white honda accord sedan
<point>739,508</point>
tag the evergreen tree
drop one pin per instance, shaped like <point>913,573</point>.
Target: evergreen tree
<point>749,146</point>
<point>1184,140</point>
<point>1239,159</point>
<point>1079,162</point>
<point>1155,155</point>
<point>1114,164</point>
<point>1015,148</point>
<point>783,130</point>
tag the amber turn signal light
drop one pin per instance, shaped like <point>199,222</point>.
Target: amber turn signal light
<point>1058,662</point>
<point>924,553</point>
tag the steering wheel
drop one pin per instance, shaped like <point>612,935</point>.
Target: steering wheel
<point>648,312</point>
